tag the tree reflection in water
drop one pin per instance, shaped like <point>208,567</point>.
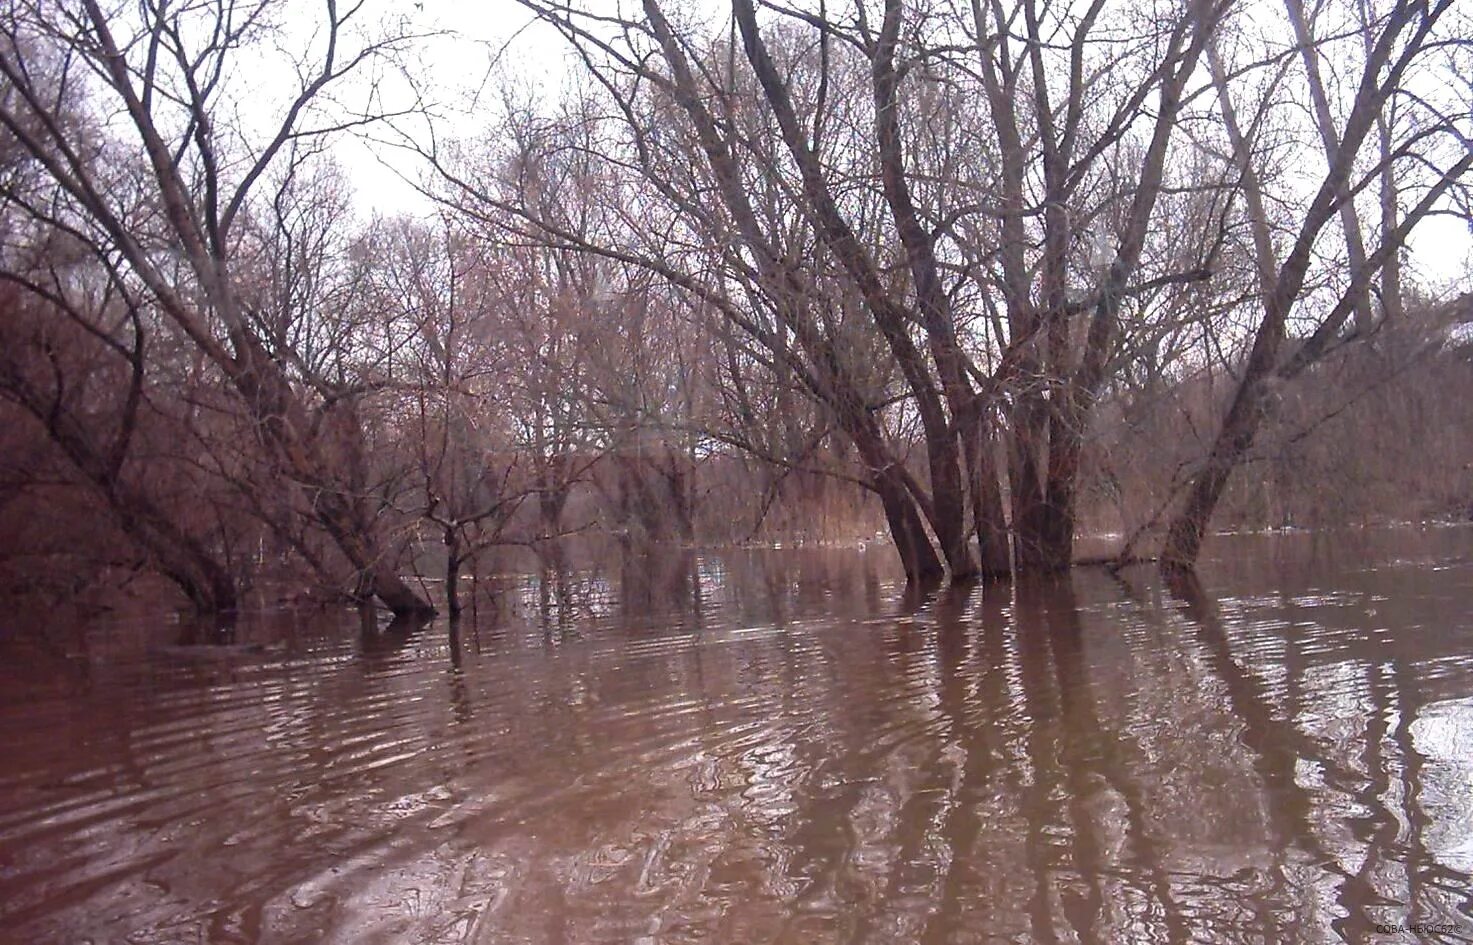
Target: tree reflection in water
<point>763,747</point>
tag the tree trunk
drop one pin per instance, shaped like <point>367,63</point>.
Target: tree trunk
<point>902,514</point>
<point>452,573</point>
<point>185,562</point>
<point>553,489</point>
<point>1044,537</point>
<point>1058,515</point>
<point>550,504</point>
<point>396,595</point>
<point>949,505</point>
<point>375,570</point>
<point>1186,532</point>
<point>1026,478</point>
<point>678,479</point>
<point>907,529</point>
<point>331,463</point>
<point>179,556</point>
<point>988,518</point>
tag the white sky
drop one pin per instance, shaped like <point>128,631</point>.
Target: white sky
<point>1441,248</point>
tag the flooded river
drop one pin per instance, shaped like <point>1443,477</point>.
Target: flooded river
<point>773,746</point>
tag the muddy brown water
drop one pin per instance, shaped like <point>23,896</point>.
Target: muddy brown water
<point>773,746</point>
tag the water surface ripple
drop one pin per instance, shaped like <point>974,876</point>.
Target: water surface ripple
<point>773,747</point>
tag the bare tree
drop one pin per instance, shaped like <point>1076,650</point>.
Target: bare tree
<point>859,184</point>
<point>165,73</point>
<point>76,359</point>
<point>1401,56</point>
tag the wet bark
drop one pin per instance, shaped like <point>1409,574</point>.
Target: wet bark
<point>989,521</point>
<point>452,573</point>
<point>908,530</point>
<point>1026,471</point>
<point>904,513</point>
<point>178,556</point>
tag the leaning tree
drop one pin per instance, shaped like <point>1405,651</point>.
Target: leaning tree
<point>181,97</point>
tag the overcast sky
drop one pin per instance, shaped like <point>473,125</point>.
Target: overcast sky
<point>1441,247</point>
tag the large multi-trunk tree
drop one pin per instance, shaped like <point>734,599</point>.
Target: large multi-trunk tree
<point>927,248</point>
<point>981,203</point>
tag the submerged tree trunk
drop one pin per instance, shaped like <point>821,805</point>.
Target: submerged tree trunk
<point>331,463</point>
<point>180,558</point>
<point>1030,425</point>
<point>376,573</point>
<point>949,508</point>
<point>908,529</point>
<point>452,573</point>
<point>1186,532</point>
<point>989,520</point>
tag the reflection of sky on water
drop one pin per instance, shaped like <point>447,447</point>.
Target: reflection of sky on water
<point>775,747</point>
<point>1443,735</point>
